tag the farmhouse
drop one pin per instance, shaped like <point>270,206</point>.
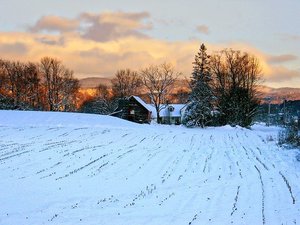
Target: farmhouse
<point>170,114</point>
<point>136,110</point>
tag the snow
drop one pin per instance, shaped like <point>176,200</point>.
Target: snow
<point>68,168</point>
<point>37,119</point>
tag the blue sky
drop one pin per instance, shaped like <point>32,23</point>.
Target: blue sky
<point>95,38</point>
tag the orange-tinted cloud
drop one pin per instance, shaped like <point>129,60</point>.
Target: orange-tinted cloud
<point>281,74</point>
<point>281,58</point>
<point>123,45</point>
<point>48,40</point>
<point>16,48</point>
<point>106,26</point>
<point>55,23</point>
<point>114,25</point>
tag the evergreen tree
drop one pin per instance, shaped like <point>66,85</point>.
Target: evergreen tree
<point>200,106</point>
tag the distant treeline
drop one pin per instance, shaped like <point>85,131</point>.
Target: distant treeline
<point>286,109</point>
<point>47,85</point>
<point>222,88</point>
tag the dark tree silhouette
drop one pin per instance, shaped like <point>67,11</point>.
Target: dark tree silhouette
<point>126,83</point>
<point>236,76</point>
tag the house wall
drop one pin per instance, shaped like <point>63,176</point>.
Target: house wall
<point>171,120</point>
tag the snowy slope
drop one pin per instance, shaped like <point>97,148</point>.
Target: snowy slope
<point>64,168</point>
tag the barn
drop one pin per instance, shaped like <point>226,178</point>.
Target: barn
<point>133,109</point>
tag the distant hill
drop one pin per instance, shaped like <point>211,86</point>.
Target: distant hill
<point>277,94</point>
<point>92,82</point>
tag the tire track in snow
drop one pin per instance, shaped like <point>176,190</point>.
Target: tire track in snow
<point>144,193</point>
<point>262,196</point>
<point>264,165</point>
<point>193,155</point>
<point>246,152</point>
<point>208,158</point>
<point>166,198</point>
<point>82,167</point>
<point>258,159</point>
<point>169,171</point>
<point>194,218</point>
<point>288,186</point>
<point>234,207</point>
<point>17,151</point>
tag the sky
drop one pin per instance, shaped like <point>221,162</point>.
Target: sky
<point>95,38</point>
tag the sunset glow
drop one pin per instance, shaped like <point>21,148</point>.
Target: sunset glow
<point>95,39</point>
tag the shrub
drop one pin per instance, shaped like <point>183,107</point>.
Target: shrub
<point>289,135</point>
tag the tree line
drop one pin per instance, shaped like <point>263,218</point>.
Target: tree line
<point>47,85</point>
<point>50,86</point>
<point>223,88</point>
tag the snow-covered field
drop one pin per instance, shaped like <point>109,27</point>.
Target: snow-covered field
<point>60,168</point>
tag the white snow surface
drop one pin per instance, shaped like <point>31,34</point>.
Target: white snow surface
<point>68,168</point>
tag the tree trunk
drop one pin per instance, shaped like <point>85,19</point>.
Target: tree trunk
<point>158,116</point>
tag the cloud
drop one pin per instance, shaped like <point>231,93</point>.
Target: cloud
<point>203,29</point>
<point>114,25</point>
<point>112,61</point>
<point>100,44</point>
<point>54,24</point>
<point>102,27</point>
<point>15,48</point>
<point>50,40</point>
<point>281,74</point>
<point>290,37</point>
<point>281,58</point>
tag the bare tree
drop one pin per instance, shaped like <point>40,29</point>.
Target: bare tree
<point>102,103</point>
<point>102,91</point>
<point>14,71</point>
<point>158,81</point>
<point>69,91</point>
<point>48,85</point>
<point>236,76</point>
<point>59,83</point>
<point>20,82</point>
<point>126,83</point>
<point>50,80</point>
<point>180,96</point>
<point>32,85</point>
<point>5,101</point>
<point>3,77</point>
<point>105,100</point>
